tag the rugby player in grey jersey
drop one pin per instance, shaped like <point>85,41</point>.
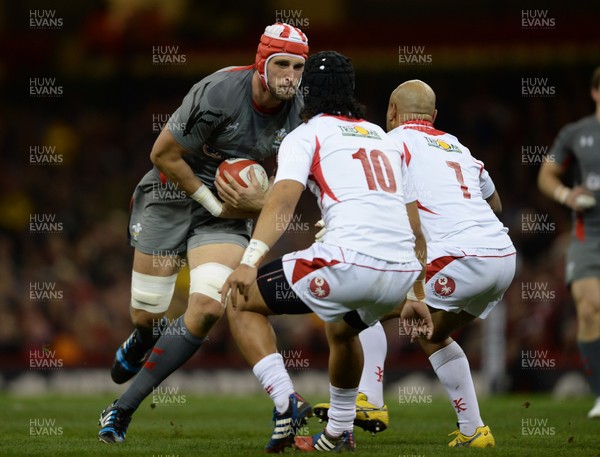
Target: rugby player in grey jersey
<point>237,112</point>
<point>578,146</point>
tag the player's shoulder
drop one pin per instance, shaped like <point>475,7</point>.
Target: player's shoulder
<point>333,125</point>
<point>587,122</point>
<point>225,88</point>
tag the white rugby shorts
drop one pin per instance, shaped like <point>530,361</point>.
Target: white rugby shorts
<point>472,281</point>
<point>333,281</point>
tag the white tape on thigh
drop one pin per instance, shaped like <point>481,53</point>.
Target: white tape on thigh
<point>208,278</point>
<point>152,293</point>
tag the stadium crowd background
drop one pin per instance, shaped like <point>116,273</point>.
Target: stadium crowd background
<point>103,56</point>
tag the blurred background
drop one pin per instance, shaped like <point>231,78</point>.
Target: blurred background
<point>87,86</point>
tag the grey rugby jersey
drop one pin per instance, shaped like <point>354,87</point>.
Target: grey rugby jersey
<point>218,120</point>
<point>578,145</point>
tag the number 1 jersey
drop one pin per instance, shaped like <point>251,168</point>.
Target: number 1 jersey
<point>451,189</point>
<point>359,177</point>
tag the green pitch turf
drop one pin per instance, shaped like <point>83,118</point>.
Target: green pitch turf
<point>240,426</point>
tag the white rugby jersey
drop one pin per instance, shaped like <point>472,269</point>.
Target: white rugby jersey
<point>359,177</point>
<point>451,189</point>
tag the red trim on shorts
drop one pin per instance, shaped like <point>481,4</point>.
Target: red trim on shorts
<point>437,265</point>
<point>304,267</point>
<point>163,177</point>
<point>422,126</point>
<point>579,227</point>
<point>317,172</point>
<point>488,256</point>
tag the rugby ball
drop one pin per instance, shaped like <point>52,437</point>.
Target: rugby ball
<point>239,170</point>
<point>585,201</point>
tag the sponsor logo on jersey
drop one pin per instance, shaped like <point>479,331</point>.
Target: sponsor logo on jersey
<point>586,141</point>
<point>319,287</point>
<point>444,286</point>
<point>357,130</point>
<point>441,144</point>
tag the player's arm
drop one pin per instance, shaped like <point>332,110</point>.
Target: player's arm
<point>241,201</point>
<point>550,184</point>
<point>167,154</point>
<point>279,207</point>
<point>495,202</point>
<point>420,248</point>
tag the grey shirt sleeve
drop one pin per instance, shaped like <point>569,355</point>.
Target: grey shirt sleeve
<point>561,149</point>
<point>195,120</point>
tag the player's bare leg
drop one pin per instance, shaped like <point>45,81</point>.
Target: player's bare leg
<point>372,413</point>
<point>257,342</point>
<point>586,294</point>
<point>209,267</point>
<point>251,328</point>
<point>152,288</point>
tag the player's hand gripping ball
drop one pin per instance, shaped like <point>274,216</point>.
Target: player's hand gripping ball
<point>239,169</point>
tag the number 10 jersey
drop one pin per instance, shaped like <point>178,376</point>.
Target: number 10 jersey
<point>359,177</point>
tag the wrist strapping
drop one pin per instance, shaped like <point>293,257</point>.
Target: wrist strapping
<point>561,193</point>
<point>417,291</point>
<point>206,198</point>
<point>254,253</point>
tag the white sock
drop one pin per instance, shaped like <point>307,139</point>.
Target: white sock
<point>374,344</point>
<point>452,368</point>
<point>275,379</point>
<point>342,410</point>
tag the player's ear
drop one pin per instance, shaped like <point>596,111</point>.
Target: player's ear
<point>391,116</point>
<point>434,116</point>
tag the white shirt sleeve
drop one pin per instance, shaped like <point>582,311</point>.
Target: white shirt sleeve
<point>296,156</point>
<point>485,182</point>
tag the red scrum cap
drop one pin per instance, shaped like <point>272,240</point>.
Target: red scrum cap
<point>279,40</point>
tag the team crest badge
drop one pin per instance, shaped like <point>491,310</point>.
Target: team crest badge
<point>319,287</point>
<point>444,286</point>
<point>135,230</point>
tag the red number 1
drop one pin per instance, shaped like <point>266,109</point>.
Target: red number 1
<point>459,177</point>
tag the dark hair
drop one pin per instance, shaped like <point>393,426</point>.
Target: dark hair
<point>596,79</point>
<point>335,105</point>
<point>328,87</point>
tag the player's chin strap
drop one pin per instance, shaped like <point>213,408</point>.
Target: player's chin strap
<point>206,198</point>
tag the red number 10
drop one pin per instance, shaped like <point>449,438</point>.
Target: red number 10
<point>372,165</point>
